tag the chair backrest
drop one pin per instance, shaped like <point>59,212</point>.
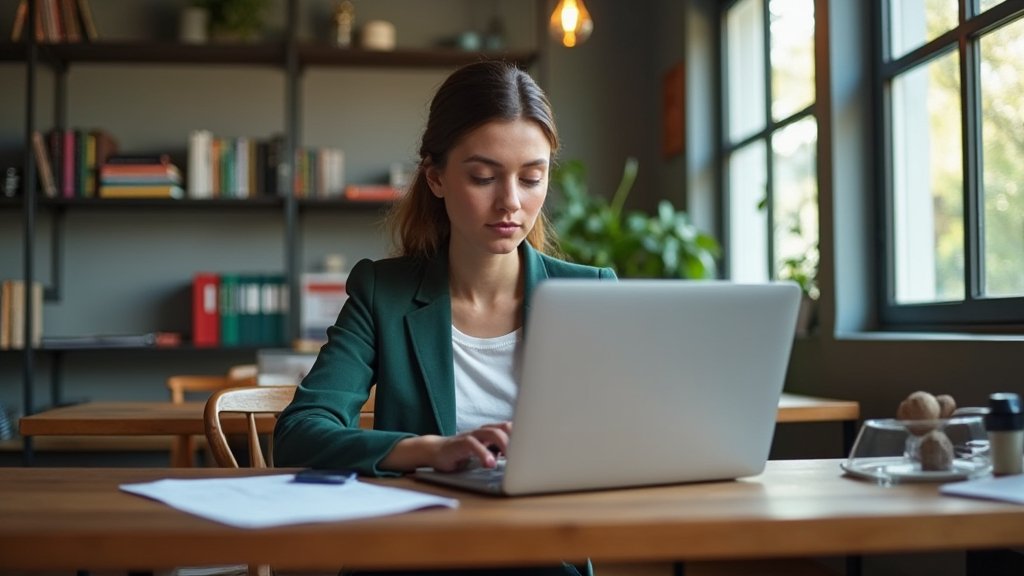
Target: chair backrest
<point>250,401</point>
<point>239,375</point>
<point>183,447</point>
<point>243,375</point>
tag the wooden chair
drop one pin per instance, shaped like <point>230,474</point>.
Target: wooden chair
<point>184,447</point>
<point>250,401</point>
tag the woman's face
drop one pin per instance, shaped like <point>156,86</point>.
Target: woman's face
<point>494,185</point>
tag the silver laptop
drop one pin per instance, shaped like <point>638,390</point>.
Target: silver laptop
<point>643,382</point>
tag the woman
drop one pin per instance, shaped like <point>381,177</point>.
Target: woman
<point>439,328</point>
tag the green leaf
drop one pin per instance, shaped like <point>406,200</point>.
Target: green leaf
<point>595,232</point>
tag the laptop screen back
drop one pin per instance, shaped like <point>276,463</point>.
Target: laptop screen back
<point>648,382</point>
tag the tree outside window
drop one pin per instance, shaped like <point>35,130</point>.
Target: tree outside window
<point>952,83</point>
<point>770,133</point>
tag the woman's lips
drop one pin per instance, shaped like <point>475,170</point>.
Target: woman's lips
<point>504,228</point>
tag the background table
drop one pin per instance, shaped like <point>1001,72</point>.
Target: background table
<point>135,419</point>
<point>800,408</point>
<point>166,418</point>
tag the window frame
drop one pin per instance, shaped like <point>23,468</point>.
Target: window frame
<point>975,312</point>
<point>764,134</point>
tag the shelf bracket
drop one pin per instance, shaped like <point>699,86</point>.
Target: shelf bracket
<point>52,292</point>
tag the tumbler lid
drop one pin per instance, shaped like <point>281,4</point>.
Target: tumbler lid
<point>1004,412</point>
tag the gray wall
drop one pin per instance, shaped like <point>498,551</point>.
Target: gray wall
<point>129,271</point>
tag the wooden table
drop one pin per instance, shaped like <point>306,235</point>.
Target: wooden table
<point>800,408</point>
<point>165,418</point>
<point>66,519</point>
<point>133,419</point>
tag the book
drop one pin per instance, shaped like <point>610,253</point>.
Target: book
<point>13,309</point>
<point>323,295</point>
<point>16,322</point>
<point>88,22</point>
<point>168,172</point>
<point>205,313</point>
<point>50,19</point>
<point>146,340</point>
<point>69,16</point>
<point>273,292</point>
<point>106,146</point>
<point>6,294</point>
<point>81,162</point>
<point>249,309</point>
<point>229,309</point>
<point>67,161</point>
<point>142,191</point>
<point>46,178</point>
<point>200,177</point>
<point>371,192</point>
<point>145,159</point>
<point>20,16</point>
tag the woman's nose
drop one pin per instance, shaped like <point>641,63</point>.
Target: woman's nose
<point>508,196</point>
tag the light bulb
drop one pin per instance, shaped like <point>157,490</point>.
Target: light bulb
<point>571,23</point>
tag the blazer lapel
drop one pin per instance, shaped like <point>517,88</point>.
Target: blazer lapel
<point>534,272</point>
<point>431,337</point>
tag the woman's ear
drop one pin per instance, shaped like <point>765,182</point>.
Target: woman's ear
<point>433,175</point>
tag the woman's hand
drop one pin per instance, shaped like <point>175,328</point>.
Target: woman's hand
<point>482,444</point>
<point>450,453</point>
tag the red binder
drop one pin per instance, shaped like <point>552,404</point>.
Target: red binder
<point>205,315</point>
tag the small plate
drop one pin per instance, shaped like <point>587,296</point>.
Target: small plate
<point>898,469</point>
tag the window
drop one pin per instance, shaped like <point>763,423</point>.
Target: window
<point>952,84</point>
<point>770,141</point>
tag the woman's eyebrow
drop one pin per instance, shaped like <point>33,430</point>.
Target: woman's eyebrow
<point>492,162</point>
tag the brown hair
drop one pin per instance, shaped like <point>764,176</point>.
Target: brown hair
<point>471,96</point>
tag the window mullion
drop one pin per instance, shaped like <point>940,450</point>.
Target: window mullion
<point>882,121</point>
<point>769,185</point>
<point>970,95</point>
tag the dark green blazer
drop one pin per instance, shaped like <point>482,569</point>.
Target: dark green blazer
<point>395,331</point>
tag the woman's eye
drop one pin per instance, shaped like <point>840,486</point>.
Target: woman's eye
<point>481,180</point>
<point>530,182</point>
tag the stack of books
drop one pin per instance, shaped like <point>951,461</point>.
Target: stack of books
<point>140,177</point>
<point>13,311</point>
<point>57,21</point>
<point>232,309</point>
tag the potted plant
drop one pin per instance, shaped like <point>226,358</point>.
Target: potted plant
<point>803,269</point>
<point>235,20</point>
<point>593,231</point>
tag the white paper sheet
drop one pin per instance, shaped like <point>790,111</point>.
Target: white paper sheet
<point>1005,488</point>
<point>264,501</point>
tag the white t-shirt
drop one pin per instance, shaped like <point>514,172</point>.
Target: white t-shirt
<point>486,373</point>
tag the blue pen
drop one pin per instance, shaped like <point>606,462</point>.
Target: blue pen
<point>312,476</point>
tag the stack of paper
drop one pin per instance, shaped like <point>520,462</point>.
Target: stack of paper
<point>266,501</point>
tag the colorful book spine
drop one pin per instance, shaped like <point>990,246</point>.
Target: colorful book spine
<point>14,309</point>
<point>229,310</point>
<point>371,193</point>
<point>205,310</point>
<point>47,181</point>
<point>68,164</point>
<point>142,191</point>
<point>200,182</point>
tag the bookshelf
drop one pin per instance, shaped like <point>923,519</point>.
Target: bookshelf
<point>53,228</point>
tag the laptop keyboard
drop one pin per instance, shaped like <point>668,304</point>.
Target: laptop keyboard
<point>489,475</point>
